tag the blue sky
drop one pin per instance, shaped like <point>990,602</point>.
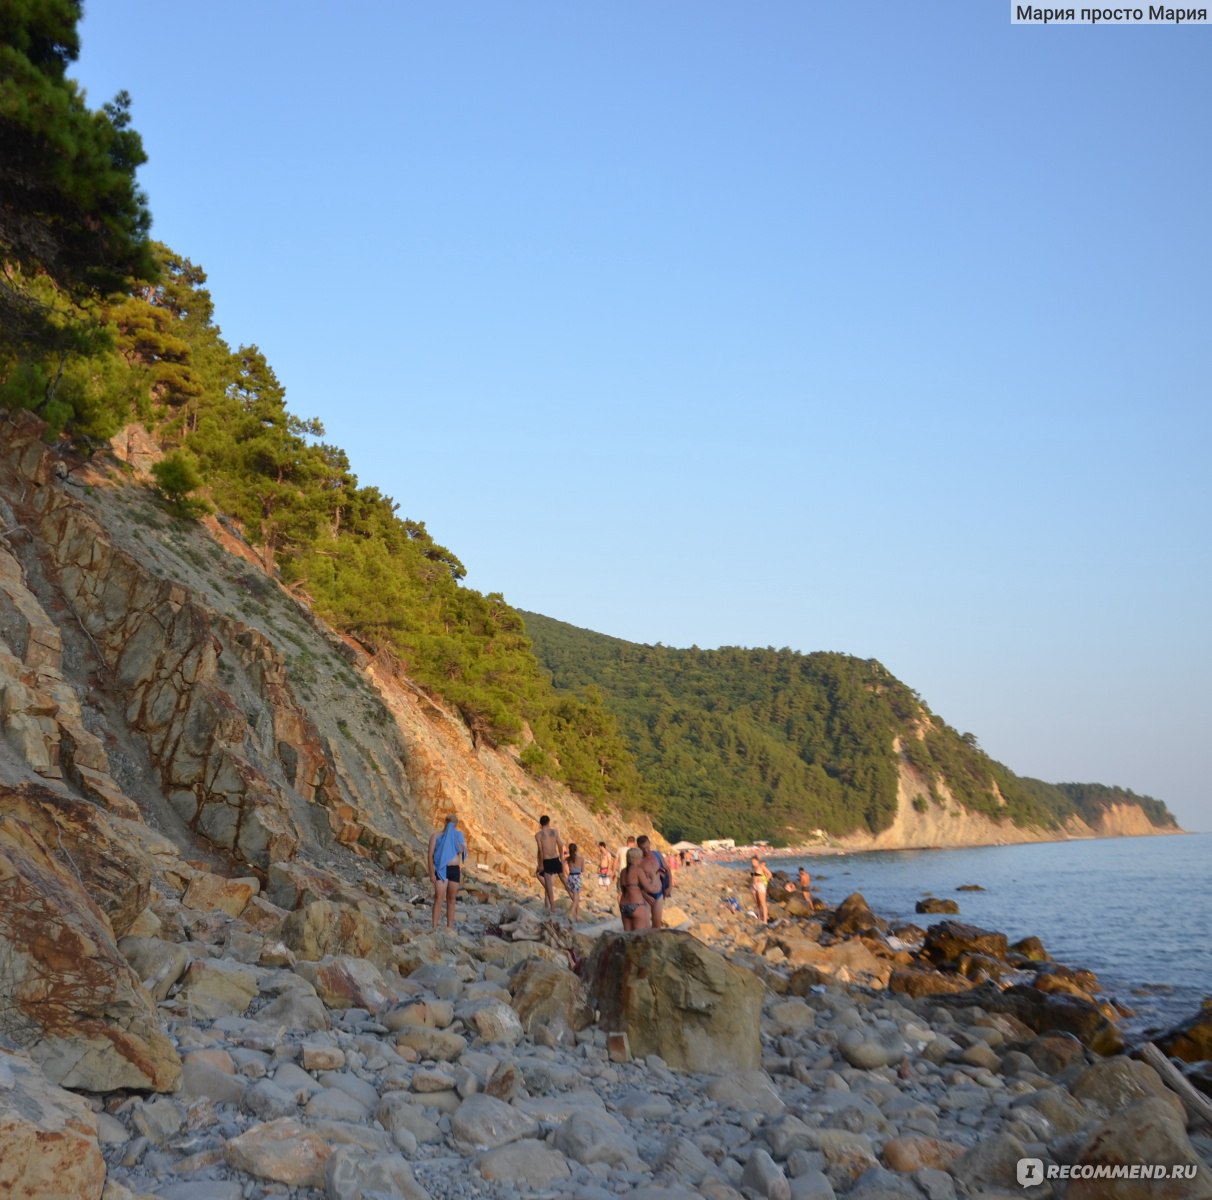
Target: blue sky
<point>878,328</point>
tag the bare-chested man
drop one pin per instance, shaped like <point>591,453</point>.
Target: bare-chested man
<point>550,848</point>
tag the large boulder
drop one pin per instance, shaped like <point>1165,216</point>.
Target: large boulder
<point>1151,1133</point>
<point>70,998</point>
<point>1045,1013</point>
<point>853,916</point>
<point>1192,1040</point>
<point>677,998</point>
<point>545,993</point>
<point>92,845</point>
<point>48,1137</point>
<point>326,927</point>
<point>948,940</point>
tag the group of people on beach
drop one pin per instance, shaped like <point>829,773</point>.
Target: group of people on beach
<point>641,874</point>
<point>759,882</point>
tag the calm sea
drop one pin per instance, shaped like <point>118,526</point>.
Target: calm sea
<point>1136,911</point>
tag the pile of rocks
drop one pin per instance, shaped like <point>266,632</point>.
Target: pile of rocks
<point>316,1040</point>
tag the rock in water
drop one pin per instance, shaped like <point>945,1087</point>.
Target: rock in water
<point>1192,1040</point>
<point>675,997</point>
<point>854,915</point>
<point>70,998</point>
<point>947,940</point>
<point>934,905</point>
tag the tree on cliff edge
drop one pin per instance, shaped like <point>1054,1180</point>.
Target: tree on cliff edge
<point>70,212</point>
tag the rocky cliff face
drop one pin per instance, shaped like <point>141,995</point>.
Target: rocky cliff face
<point>150,666</point>
<point>171,718</point>
<point>923,821</point>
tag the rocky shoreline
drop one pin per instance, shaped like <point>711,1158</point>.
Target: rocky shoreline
<point>313,1038</point>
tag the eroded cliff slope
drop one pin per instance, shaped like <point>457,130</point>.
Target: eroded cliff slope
<point>151,666</point>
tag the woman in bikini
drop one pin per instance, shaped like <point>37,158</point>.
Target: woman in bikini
<point>633,906</point>
<point>576,864</point>
<point>759,877</point>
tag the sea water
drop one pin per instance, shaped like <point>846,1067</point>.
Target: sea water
<point>1136,911</point>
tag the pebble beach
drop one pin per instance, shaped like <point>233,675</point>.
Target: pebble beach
<point>466,1063</point>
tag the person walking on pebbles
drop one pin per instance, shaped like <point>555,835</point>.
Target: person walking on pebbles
<point>550,849</point>
<point>447,854</point>
<point>573,880</point>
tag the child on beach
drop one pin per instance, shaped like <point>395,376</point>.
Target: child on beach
<point>576,865</point>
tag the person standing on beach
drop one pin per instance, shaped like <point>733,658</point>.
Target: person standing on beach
<point>576,867</point>
<point>629,844</point>
<point>633,899</point>
<point>806,885</point>
<point>605,865</point>
<point>447,854</point>
<point>550,849</point>
<point>657,876</point>
<point>759,878</point>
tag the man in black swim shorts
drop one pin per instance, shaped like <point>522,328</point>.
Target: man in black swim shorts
<point>550,850</point>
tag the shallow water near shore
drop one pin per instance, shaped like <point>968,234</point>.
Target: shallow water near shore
<point>1136,911</point>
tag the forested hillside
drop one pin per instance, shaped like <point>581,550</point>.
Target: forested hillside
<point>773,743</point>
<point>101,327</point>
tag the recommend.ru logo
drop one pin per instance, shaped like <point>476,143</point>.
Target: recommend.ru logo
<point>1030,1172</point>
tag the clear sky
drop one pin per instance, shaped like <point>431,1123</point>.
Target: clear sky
<point>883,328</point>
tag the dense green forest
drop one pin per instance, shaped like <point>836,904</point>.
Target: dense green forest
<point>773,744</point>
<point>100,327</point>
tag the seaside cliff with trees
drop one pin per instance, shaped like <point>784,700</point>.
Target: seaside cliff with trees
<point>110,339</point>
<point>238,691</point>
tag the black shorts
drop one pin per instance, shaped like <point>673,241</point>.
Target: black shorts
<point>452,873</point>
<point>552,866</point>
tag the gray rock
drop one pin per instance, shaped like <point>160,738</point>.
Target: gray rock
<point>158,964</point>
<point>527,1163</point>
<point>992,1161</point>
<point>202,1189</point>
<point>764,1177</point>
<point>201,1080</point>
<point>296,1008</point>
<point>482,1123</point>
<point>746,1091</point>
<point>934,1184</point>
<point>350,1175</point>
<point>681,1156</point>
<point>334,1104</point>
<point>812,1185</point>
<point>158,1120</point>
<point>590,1138</point>
<point>787,1134</point>
<point>638,1105</point>
<point>496,1022</point>
<point>265,1099</point>
<point>872,1048</point>
<point>296,1081</point>
<point>360,1089</point>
